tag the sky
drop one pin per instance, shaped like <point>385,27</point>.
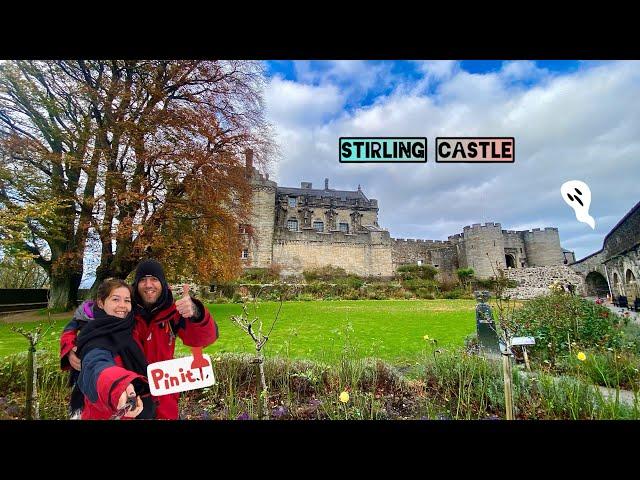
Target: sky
<point>572,120</point>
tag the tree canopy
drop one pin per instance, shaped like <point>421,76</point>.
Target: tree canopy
<point>144,156</point>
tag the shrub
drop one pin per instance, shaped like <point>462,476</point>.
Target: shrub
<point>559,321</point>
<point>328,272</point>
<point>410,272</point>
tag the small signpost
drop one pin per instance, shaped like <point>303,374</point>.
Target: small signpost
<point>523,342</point>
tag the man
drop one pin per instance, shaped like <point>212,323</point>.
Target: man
<point>158,320</point>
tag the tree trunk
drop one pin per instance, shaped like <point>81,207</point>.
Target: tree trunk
<point>63,291</point>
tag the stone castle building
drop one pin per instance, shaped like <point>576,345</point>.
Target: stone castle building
<point>615,268</point>
<point>305,228</point>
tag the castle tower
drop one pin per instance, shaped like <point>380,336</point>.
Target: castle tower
<point>543,247</point>
<point>262,218</point>
<point>482,248</point>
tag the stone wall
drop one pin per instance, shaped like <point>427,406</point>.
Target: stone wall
<point>358,257</point>
<point>624,273</point>
<point>535,281</point>
<point>441,254</point>
<point>625,235</point>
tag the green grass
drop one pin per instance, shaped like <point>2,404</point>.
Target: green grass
<point>388,329</point>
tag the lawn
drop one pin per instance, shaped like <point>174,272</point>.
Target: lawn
<point>392,330</point>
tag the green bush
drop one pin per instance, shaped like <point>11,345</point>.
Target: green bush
<point>560,322</point>
<point>410,272</point>
<point>454,294</point>
<point>328,272</point>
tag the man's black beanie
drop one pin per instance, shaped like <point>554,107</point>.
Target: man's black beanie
<point>150,267</point>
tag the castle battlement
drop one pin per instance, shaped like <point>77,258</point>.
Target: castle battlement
<point>416,241</point>
<point>480,227</point>
<point>539,231</point>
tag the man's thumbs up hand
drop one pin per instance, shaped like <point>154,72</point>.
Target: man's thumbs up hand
<point>185,305</point>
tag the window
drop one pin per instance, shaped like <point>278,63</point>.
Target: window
<point>318,226</point>
<point>242,228</point>
<point>419,263</point>
<point>293,201</point>
<point>292,225</point>
<point>344,227</point>
<point>245,254</point>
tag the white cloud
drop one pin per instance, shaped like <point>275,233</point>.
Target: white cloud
<point>584,125</point>
<point>291,103</point>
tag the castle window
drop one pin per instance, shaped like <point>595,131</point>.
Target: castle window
<point>293,201</point>
<point>244,254</point>
<point>344,227</point>
<point>318,226</point>
<point>292,225</point>
<point>520,250</point>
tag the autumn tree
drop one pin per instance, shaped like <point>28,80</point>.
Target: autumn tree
<point>145,156</point>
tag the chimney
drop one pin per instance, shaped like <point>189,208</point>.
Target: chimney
<point>326,184</point>
<point>248,154</point>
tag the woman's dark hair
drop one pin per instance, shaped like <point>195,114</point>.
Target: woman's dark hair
<point>109,285</point>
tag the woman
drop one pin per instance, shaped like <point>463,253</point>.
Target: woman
<point>113,374</point>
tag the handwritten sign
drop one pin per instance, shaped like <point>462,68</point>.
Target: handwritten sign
<point>179,375</point>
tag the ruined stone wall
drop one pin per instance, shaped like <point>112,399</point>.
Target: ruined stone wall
<point>535,281</point>
<point>543,247</point>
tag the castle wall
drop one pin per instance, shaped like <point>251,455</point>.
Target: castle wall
<point>625,236</point>
<point>360,254</point>
<point>441,254</point>
<point>543,247</point>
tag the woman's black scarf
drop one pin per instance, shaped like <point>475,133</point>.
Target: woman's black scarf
<point>116,335</point>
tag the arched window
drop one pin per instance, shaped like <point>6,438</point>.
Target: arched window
<point>630,277</point>
<point>292,224</point>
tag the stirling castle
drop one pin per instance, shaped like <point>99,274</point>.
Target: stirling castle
<point>304,228</point>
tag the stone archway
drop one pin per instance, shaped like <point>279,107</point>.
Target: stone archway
<point>511,262</point>
<point>596,285</point>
